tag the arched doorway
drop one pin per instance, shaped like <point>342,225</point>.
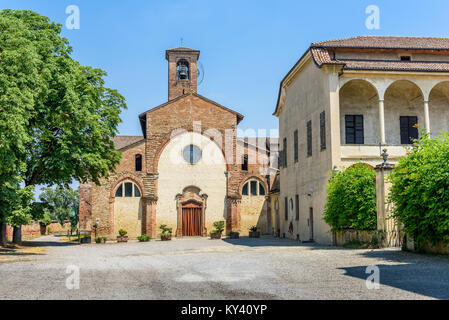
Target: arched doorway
<point>192,219</point>
<point>128,208</point>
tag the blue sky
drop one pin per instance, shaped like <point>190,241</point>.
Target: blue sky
<point>246,46</point>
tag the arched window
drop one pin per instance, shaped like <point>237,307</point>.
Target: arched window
<point>254,188</point>
<point>128,189</point>
<point>138,162</point>
<point>182,70</point>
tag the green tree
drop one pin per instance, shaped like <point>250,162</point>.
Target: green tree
<point>60,204</point>
<point>15,207</point>
<point>420,190</point>
<point>62,115</point>
<point>351,199</point>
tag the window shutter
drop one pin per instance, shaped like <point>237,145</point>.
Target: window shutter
<point>309,138</point>
<point>323,130</point>
<point>285,163</point>
<point>286,208</point>
<point>295,138</point>
<point>359,132</point>
<point>350,129</point>
<point>404,130</point>
<point>354,129</point>
<point>408,130</point>
<point>297,207</point>
<point>413,131</point>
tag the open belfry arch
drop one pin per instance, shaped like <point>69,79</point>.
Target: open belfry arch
<point>184,164</point>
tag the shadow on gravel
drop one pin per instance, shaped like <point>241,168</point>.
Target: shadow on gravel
<point>38,243</point>
<point>428,280</point>
<point>265,242</point>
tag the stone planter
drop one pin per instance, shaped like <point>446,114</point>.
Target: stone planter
<point>85,240</point>
<point>254,234</point>
<point>234,235</point>
<point>122,239</point>
<point>100,241</point>
<point>166,238</point>
<point>215,236</point>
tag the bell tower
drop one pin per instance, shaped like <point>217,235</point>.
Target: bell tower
<point>182,71</point>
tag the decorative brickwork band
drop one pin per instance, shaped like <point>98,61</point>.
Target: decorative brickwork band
<point>233,214</point>
<point>149,226</point>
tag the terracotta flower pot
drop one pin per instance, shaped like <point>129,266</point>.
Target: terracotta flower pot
<point>215,235</point>
<point>165,238</point>
<point>254,234</point>
<point>122,239</point>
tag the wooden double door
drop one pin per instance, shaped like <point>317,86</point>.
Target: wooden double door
<point>192,220</point>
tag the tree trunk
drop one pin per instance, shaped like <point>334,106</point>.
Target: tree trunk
<point>3,240</point>
<point>17,235</point>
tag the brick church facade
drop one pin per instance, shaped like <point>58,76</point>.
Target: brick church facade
<point>187,170</point>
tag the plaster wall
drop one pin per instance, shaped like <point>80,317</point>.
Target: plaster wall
<point>306,98</point>
<point>175,174</point>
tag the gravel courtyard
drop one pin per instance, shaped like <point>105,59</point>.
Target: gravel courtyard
<point>264,268</point>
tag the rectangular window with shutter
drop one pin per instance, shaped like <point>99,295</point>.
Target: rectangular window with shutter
<point>409,131</point>
<point>323,130</point>
<point>286,208</point>
<point>285,154</point>
<point>309,138</point>
<point>295,137</point>
<point>354,129</point>
<point>297,207</point>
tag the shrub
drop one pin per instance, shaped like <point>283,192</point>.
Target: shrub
<point>100,239</point>
<point>144,238</point>
<point>219,226</point>
<point>420,184</point>
<point>166,231</point>
<point>122,232</point>
<point>351,199</point>
<point>253,229</point>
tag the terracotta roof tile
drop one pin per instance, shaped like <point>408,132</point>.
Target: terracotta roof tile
<point>121,142</point>
<point>321,56</point>
<point>377,42</point>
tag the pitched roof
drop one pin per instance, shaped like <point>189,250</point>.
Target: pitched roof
<point>121,142</point>
<point>143,119</point>
<point>387,42</point>
<point>321,55</point>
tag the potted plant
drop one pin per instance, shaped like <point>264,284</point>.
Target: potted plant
<point>253,233</point>
<point>144,238</point>
<point>234,235</point>
<point>219,228</point>
<point>166,233</point>
<point>101,240</point>
<point>122,236</point>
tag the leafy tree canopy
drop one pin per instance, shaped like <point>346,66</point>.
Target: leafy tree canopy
<point>420,189</point>
<point>57,116</point>
<point>59,204</point>
<point>351,199</point>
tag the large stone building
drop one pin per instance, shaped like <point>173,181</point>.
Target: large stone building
<point>187,170</point>
<point>343,102</point>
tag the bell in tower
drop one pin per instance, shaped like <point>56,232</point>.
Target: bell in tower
<point>182,71</point>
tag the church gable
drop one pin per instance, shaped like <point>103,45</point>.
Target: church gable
<point>185,110</point>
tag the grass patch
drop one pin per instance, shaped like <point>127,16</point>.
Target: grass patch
<point>71,239</point>
<point>14,251</point>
